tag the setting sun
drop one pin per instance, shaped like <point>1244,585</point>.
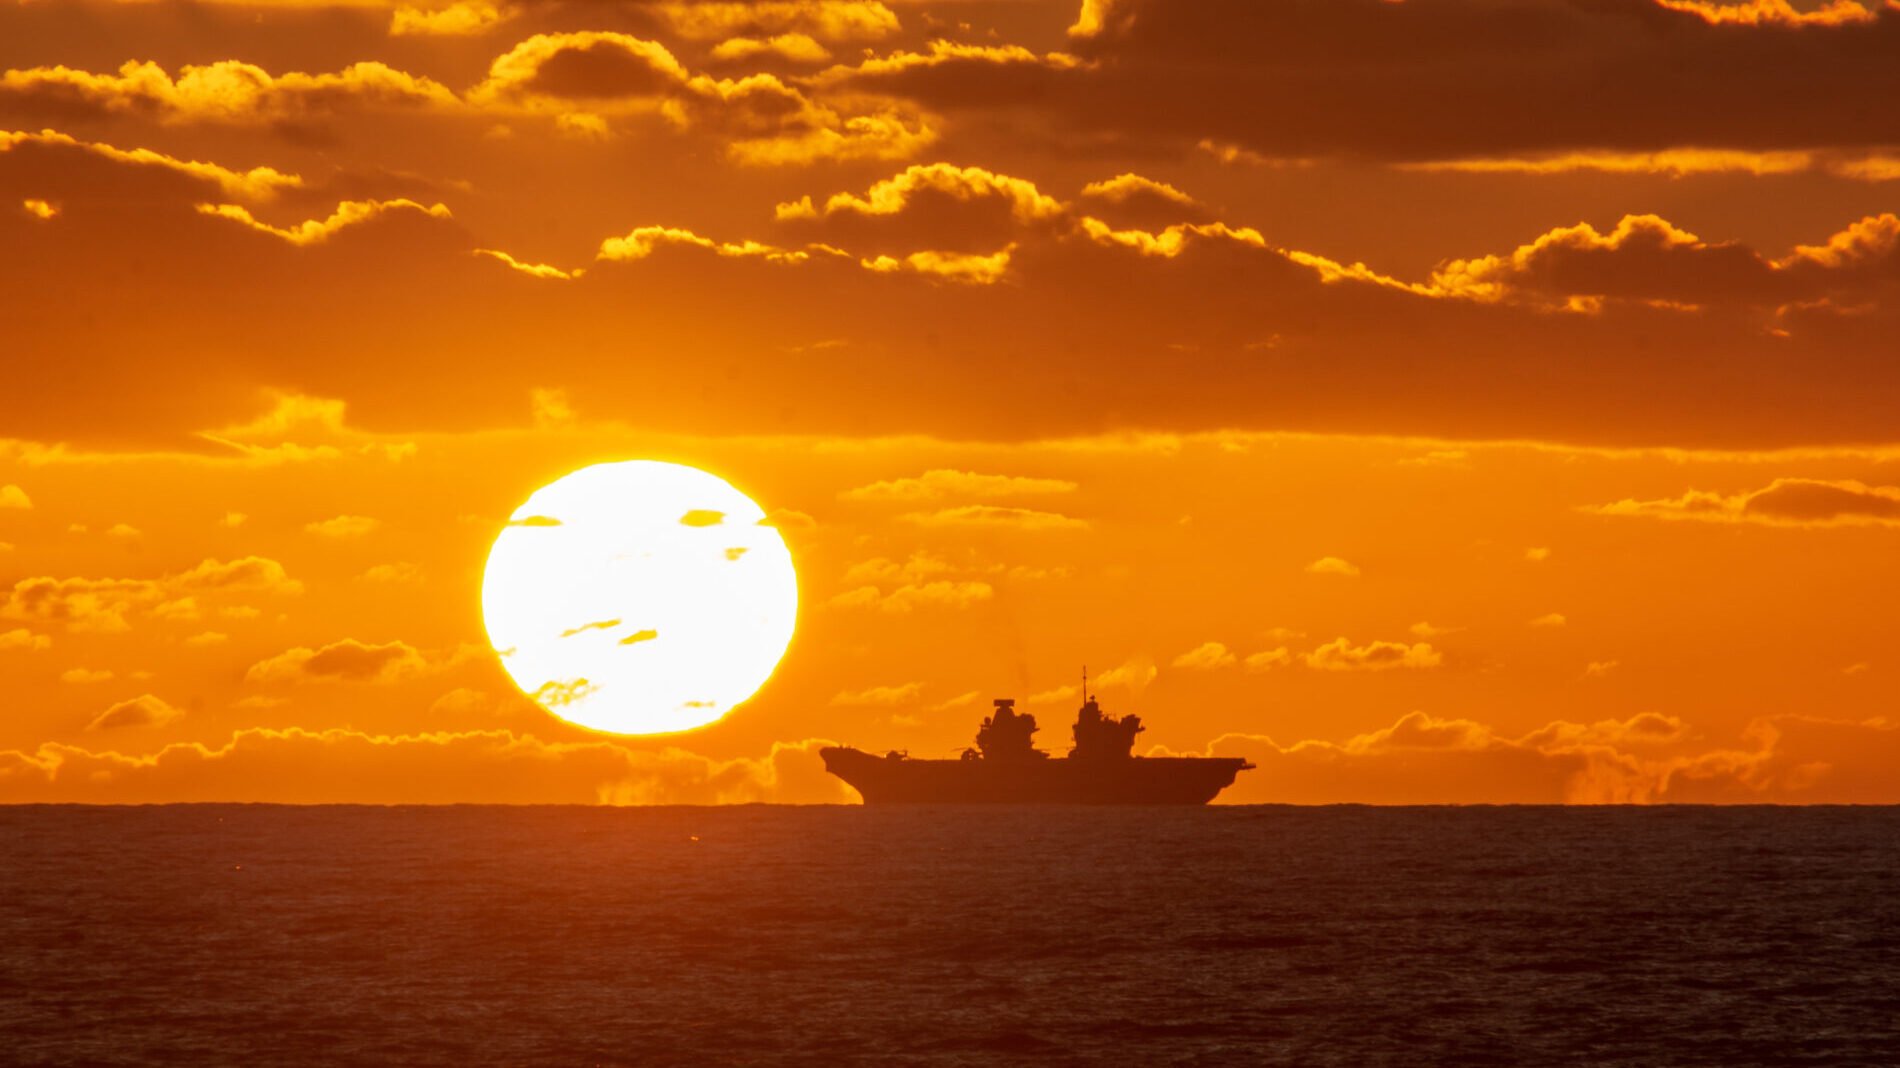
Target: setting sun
<point>639,597</point>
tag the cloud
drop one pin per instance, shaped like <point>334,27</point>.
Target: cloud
<point>1350,332</point>
<point>83,676</point>
<point>1125,187</point>
<point>965,267</point>
<point>997,516</point>
<point>401,573</point>
<point>944,482</point>
<point>1333,565</point>
<point>317,231</point>
<point>12,496</point>
<point>180,608</point>
<point>759,119</point>
<point>344,526</point>
<point>1269,659</point>
<point>1549,620</point>
<point>463,701</point>
<point>257,183</point>
<point>299,766</point>
<point>141,711</point>
<point>1132,675</point>
<point>643,241</point>
<point>457,19</point>
<point>532,270</point>
<point>228,91</point>
<point>582,126</point>
<point>788,519</point>
<point>1206,657</point>
<point>246,573</point>
<point>880,570</point>
<point>39,209</point>
<point>1772,13</point>
<point>98,606</point>
<point>1643,257</point>
<point>593,65</point>
<point>206,639</point>
<point>1794,502</point>
<point>795,47</point>
<point>348,660</point>
<point>1646,259</point>
<point>1849,163</point>
<point>909,598</point>
<point>880,696</point>
<point>101,605</point>
<point>894,195</point>
<point>1648,758</point>
<point>942,60</point>
<point>21,638</point>
<point>1341,655</point>
<point>830,20</point>
<point>1155,75</point>
<point>1049,697</point>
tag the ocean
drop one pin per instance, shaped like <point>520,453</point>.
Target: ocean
<point>342,935</point>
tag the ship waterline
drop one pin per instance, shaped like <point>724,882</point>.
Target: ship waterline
<point>1135,781</point>
<point>1004,767</point>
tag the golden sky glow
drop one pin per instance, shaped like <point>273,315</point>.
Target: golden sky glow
<point>1427,404</point>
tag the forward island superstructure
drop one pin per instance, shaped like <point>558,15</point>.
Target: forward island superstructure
<point>1004,766</point>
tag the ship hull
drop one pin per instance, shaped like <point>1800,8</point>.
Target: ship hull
<point>1128,781</point>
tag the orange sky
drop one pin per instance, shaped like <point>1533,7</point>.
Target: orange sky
<point>1431,401</point>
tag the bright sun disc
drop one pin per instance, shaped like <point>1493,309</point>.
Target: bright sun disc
<point>639,597</point>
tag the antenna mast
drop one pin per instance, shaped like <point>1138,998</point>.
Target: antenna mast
<point>1085,682</point>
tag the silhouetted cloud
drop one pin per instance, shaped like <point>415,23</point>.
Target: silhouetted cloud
<point>910,597</point>
<point>257,183</point>
<point>316,231</point>
<point>348,660</point>
<point>1341,655</point>
<point>226,91</point>
<point>1266,78</point>
<point>1784,502</point>
<point>141,711</point>
<point>431,767</point>
<point>880,696</point>
<point>1205,657</point>
<point>102,605</point>
<point>1648,758</point>
<point>458,19</point>
<point>945,482</point>
<point>990,515</point>
<point>21,638</point>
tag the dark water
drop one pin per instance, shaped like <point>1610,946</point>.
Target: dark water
<point>1530,936</point>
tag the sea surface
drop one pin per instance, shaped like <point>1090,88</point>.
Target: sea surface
<point>262,935</point>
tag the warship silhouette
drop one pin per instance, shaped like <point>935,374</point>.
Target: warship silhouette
<point>1006,767</point>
